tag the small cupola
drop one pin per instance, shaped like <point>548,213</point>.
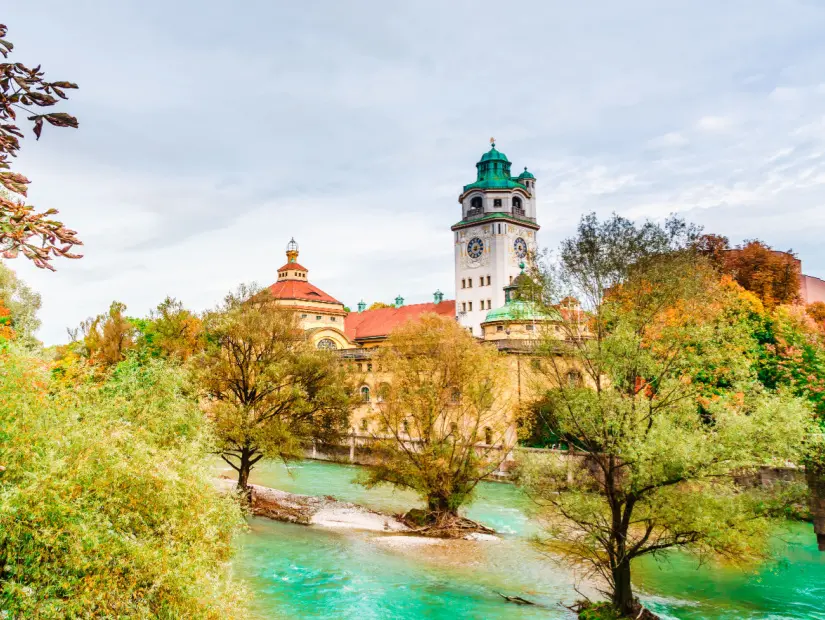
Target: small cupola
<point>292,270</point>
<point>362,305</point>
<point>399,301</point>
<point>438,296</point>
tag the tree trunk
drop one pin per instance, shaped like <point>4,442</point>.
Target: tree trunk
<point>622,590</point>
<point>244,468</point>
<point>439,506</point>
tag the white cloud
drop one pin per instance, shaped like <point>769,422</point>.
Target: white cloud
<point>208,136</point>
<point>672,139</point>
<point>713,123</point>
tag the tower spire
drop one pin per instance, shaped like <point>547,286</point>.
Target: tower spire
<point>292,251</point>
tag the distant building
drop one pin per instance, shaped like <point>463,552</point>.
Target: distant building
<point>494,237</point>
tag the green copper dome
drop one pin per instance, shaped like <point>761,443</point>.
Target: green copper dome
<point>526,175</point>
<point>518,311</point>
<point>494,154</point>
<point>494,172</point>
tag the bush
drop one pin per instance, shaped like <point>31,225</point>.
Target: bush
<point>106,504</point>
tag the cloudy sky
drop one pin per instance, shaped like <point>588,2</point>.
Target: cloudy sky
<point>212,131</point>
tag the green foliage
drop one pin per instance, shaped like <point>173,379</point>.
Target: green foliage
<point>671,411</point>
<point>446,412</point>
<point>171,331</point>
<point>266,387</point>
<point>599,611</point>
<point>106,503</point>
<point>792,355</point>
<point>23,304</point>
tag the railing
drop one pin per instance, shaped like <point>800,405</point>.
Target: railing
<point>475,212</point>
<point>354,354</point>
<point>512,344</point>
<point>519,212</point>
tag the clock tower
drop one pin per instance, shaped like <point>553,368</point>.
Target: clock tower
<point>497,231</point>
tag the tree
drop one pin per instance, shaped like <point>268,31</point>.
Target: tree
<point>655,470</point>
<point>23,304</point>
<point>816,311</point>
<point>171,331</point>
<point>377,305</point>
<point>266,387</point>
<point>6,328</point>
<point>39,237</point>
<point>105,339</point>
<point>773,276</point>
<point>107,504</point>
<point>715,248</point>
<point>447,415</point>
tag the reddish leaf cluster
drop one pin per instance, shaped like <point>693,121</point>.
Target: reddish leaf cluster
<point>771,275</point>
<point>22,229</point>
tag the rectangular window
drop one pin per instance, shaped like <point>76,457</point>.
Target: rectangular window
<point>469,283</point>
<point>481,281</point>
<point>364,424</point>
<point>470,305</point>
<point>499,328</point>
<point>489,305</point>
<point>488,280</point>
<point>529,328</point>
<point>497,202</point>
<point>369,367</point>
<point>499,229</point>
<point>303,316</point>
<point>463,306</point>
<point>317,318</point>
<point>332,319</point>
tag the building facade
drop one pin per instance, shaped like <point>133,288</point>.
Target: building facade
<point>496,233</point>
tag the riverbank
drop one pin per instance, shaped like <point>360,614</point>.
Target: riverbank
<point>326,511</point>
<point>322,572</point>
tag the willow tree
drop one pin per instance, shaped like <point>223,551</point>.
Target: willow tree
<point>669,412</point>
<point>265,386</point>
<point>446,415</point>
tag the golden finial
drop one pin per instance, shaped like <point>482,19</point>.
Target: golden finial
<point>493,142</point>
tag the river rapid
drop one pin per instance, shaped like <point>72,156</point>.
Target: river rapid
<point>307,572</point>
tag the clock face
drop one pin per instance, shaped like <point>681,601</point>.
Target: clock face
<point>475,247</point>
<point>520,247</point>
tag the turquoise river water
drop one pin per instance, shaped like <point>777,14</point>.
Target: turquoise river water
<point>301,572</point>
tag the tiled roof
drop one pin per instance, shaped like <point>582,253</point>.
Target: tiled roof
<point>293,266</point>
<point>380,322</point>
<point>299,289</point>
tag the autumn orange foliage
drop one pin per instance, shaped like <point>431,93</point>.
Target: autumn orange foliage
<point>6,329</point>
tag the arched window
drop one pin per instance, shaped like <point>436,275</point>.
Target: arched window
<point>365,394</point>
<point>455,395</point>
<point>326,343</point>
<point>517,202</point>
<point>574,378</point>
<point>488,435</point>
<point>475,203</point>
